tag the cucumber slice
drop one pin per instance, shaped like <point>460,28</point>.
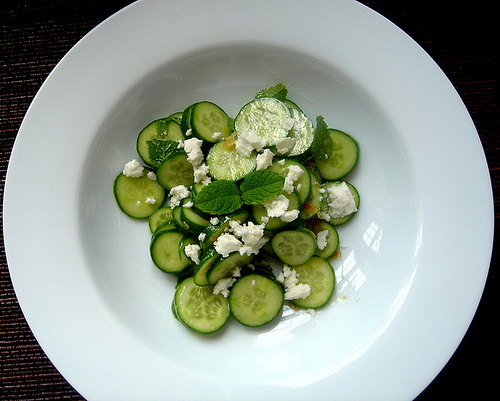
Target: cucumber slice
<point>303,133</point>
<point>134,195</point>
<point>318,273</point>
<point>206,118</point>
<point>182,226</point>
<point>260,213</point>
<point>225,163</point>
<point>167,253</point>
<point>225,266</point>
<point>177,116</point>
<point>332,238</point>
<point>176,170</point>
<point>208,259</point>
<point>199,309</point>
<point>167,226</point>
<point>294,247</point>
<point>343,158</point>
<point>256,300</point>
<point>266,117</point>
<point>212,232</point>
<point>312,204</point>
<point>291,105</point>
<point>196,220</point>
<point>324,205</point>
<point>165,128</point>
<point>303,183</point>
<point>160,217</point>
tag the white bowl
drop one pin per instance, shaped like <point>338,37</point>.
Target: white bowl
<point>406,289</point>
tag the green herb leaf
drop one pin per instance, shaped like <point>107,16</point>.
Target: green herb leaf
<point>322,146</point>
<point>261,185</point>
<point>219,197</point>
<point>161,149</point>
<point>278,91</point>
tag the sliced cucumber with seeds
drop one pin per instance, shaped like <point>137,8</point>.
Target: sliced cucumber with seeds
<point>207,119</point>
<point>165,128</point>
<point>138,197</point>
<point>174,171</point>
<point>318,273</point>
<point>225,266</point>
<point>266,116</point>
<point>195,219</point>
<point>225,163</point>
<point>256,300</point>
<point>167,252</point>
<point>303,183</point>
<point>325,232</point>
<point>198,308</point>
<point>294,247</point>
<point>159,217</point>
<point>343,158</point>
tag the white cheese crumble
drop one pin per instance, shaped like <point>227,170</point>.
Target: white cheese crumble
<point>217,135</point>
<point>276,206</point>
<point>285,145</point>
<point>264,159</point>
<point>150,200</point>
<point>202,237</point>
<point>340,201</point>
<point>192,147</point>
<point>214,221</point>
<point>177,194</point>
<point>222,286</point>
<point>294,172</point>
<point>192,251</point>
<point>250,234</point>
<point>289,123</point>
<point>151,175</point>
<point>293,289</point>
<point>248,141</point>
<point>290,215</point>
<point>133,169</point>
<point>321,239</point>
<point>226,244</point>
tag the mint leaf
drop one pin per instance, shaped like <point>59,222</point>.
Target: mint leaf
<point>219,197</point>
<point>161,149</point>
<point>322,146</point>
<point>261,185</point>
<point>278,91</point>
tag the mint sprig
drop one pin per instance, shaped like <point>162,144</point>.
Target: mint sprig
<point>160,149</point>
<point>219,197</point>
<point>261,185</point>
<point>322,146</point>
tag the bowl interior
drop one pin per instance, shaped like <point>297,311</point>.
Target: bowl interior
<point>379,246</point>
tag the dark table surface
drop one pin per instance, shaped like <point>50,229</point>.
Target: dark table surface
<point>460,36</point>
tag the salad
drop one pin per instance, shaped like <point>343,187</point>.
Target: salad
<point>242,210</point>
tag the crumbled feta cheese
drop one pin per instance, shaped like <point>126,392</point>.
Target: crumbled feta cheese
<point>290,215</point>
<point>227,243</point>
<point>217,135</point>
<point>276,206</point>
<point>151,175</point>
<point>150,200</point>
<point>188,204</point>
<point>177,194</point>
<point>289,123</point>
<point>321,239</point>
<point>250,234</point>
<point>133,169</point>
<point>192,147</point>
<point>202,237</point>
<point>294,172</point>
<point>293,289</point>
<point>340,201</point>
<point>285,145</point>
<point>247,141</point>
<point>201,174</point>
<point>222,286</point>
<point>281,162</point>
<point>264,159</point>
<point>189,132</point>
<point>192,251</point>
<point>214,221</point>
